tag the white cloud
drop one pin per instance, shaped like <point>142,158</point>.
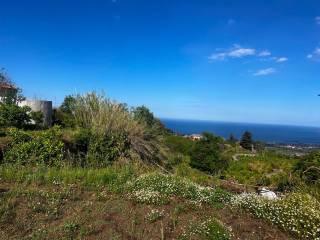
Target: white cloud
<point>242,52</point>
<point>264,72</point>
<point>282,59</point>
<point>315,55</point>
<point>318,20</point>
<point>235,52</point>
<point>264,53</point>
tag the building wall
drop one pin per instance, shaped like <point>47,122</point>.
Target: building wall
<point>43,106</point>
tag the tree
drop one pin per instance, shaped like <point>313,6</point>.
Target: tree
<point>64,114</point>
<point>12,94</point>
<point>68,104</point>
<point>144,116</point>
<point>232,140</point>
<point>246,140</point>
<point>205,154</point>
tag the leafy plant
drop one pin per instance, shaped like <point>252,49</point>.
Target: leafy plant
<point>104,150</point>
<point>206,155</point>
<point>45,148</point>
<point>12,115</point>
<point>309,167</point>
<point>37,117</point>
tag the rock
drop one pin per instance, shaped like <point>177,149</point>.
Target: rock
<point>267,194</point>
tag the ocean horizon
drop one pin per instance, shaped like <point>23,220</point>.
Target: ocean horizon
<point>270,133</point>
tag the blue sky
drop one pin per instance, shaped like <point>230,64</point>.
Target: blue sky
<point>240,61</point>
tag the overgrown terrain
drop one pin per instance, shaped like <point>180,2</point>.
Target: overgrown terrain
<point>107,171</point>
<point>116,203</point>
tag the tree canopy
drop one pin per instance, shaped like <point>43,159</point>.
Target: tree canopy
<point>246,140</point>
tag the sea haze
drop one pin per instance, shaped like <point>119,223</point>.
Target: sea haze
<point>264,132</point>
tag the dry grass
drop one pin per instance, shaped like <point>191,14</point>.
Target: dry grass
<point>106,117</point>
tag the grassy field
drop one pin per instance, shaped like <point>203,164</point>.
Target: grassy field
<point>267,169</point>
<point>118,203</point>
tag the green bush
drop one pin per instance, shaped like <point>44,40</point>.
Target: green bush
<point>179,144</point>
<point>309,167</point>
<point>43,148</point>
<point>12,115</point>
<point>106,149</point>
<point>93,150</point>
<point>113,126</point>
<point>37,117</point>
<point>206,155</point>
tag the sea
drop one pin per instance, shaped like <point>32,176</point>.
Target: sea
<point>269,133</point>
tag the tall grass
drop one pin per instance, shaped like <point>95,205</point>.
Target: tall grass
<point>113,177</point>
<point>105,117</point>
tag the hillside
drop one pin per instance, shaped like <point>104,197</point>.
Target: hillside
<point>71,206</point>
<point>107,171</point>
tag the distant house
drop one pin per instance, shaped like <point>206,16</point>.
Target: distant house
<point>43,106</point>
<point>6,90</point>
<point>194,137</point>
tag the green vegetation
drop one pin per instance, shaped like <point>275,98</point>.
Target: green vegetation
<point>109,171</point>
<point>296,213</point>
<point>12,115</point>
<point>266,169</point>
<point>211,229</point>
<point>206,156</point>
<point>42,148</point>
<point>309,168</point>
<point>246,141</point>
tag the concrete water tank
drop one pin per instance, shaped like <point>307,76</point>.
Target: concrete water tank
<point>40,105</point>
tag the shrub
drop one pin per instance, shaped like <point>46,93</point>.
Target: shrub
<point>44,148</point>
<point>113,126</point>
<point>206,155</point>
<point>37,117</point>
<point>104,150</point>
<point>179,144</point>
<point>309,167</point>
<point>12,115</point>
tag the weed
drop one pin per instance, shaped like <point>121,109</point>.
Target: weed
<point>154,215</point>
<point>71,229</point>
<point>297,213</point>
<point>211,229</point>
